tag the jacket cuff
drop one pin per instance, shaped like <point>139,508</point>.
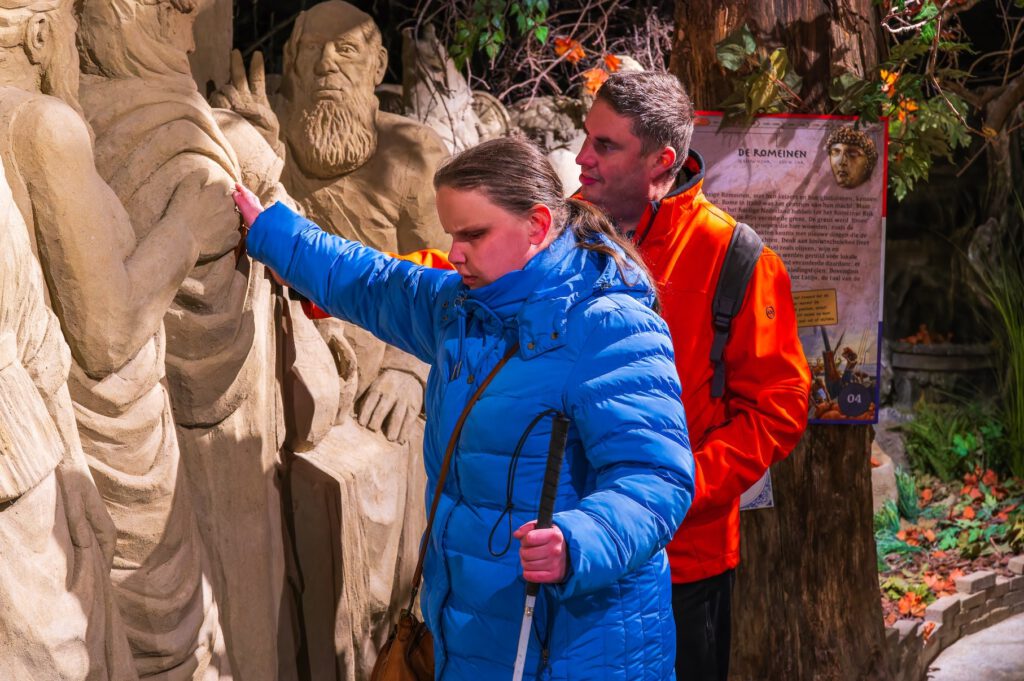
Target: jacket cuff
<point>582,573</point>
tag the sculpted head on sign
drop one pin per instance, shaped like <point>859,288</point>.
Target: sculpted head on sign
<point>137,38</point>
<point>332,63</point>
<point>852,155</point>
<point>37,38</point>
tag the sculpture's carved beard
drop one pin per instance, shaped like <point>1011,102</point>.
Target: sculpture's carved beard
<point>334,137</point>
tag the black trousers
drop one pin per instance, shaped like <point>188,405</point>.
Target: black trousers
<point>703,614</point>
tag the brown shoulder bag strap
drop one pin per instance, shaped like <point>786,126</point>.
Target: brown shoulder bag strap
<point>446,464</point>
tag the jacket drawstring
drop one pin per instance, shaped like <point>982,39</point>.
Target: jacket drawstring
<point>457,367</point>
<point>462,305</point>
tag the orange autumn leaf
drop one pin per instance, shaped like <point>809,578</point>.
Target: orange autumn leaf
<point>930,536</point>
<point>612,63</point>
<point>956,574</point>
<point>990,478</point>
<point>875,463</point>
<point>969,513</point>
<point>970,479</point>
<point>976,493</point>
<point>929,627</point>
<point>927,494</point>
<point>571,48</point>
<point>911,604</point>
<point>902,535</point>
<point>889,82</point>
<point>593,79</point>
<point>1003,515</point>
<point>907,107</point>
<point>939,553</point>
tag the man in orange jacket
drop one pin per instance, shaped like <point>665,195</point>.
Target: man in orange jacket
<point>637,165</point>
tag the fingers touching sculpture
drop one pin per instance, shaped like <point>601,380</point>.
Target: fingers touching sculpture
<point>157,138</point>
<point>367,175</point>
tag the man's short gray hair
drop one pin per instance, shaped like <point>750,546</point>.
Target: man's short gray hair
<point>658,107</point>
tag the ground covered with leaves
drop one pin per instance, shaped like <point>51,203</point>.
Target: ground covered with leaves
<point>937,532</point>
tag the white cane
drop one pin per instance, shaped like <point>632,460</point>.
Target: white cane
<point>556,450</point>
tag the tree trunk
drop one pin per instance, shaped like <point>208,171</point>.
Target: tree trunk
<point>807,604</point>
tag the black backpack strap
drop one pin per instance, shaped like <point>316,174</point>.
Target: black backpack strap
<point>740,258</point>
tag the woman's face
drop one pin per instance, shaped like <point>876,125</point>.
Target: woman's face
<point>488,241</point>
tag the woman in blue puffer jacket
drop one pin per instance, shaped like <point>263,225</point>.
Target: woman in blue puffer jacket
<point>552,275</point>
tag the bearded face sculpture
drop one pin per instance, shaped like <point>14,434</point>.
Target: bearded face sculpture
<point>330,72</point>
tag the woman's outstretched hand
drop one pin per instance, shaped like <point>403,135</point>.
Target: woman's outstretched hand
<point>542,553</point>
<point>248,204</point>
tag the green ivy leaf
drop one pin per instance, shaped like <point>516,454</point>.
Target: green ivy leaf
<point>541,33</point>
<point>733,50</point>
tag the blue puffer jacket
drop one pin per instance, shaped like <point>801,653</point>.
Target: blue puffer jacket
<point>592,348</point>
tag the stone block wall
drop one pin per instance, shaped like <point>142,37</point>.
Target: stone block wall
<point>982,600</point>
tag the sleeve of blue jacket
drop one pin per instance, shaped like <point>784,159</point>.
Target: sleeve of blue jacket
<point>624,398</point>
<point>392,299</point>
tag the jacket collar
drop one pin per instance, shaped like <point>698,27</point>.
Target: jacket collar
<point>536,300</point>
<point>688,185</point>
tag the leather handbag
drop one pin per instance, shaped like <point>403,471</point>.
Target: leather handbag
<point>408,654</point>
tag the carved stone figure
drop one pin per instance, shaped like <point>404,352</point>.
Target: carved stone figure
<point>110,287</point>
<point>156,137</point>
<point>434,91</point>
<point>58,618</point>
<point>366,175</point>
<point>436,94</point>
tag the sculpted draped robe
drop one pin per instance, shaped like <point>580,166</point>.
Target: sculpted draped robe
<point>151,134</point>
<point>57,613</point>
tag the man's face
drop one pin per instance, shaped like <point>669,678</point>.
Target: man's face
<point>615,174</point>
<point>849,164</point>
<point>488,242</point>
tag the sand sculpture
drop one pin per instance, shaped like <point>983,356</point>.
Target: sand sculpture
<point>155,135</point>
<point>110,287</point>
<point>146,467</point>
<point>59,619</point>
<point>436,94</point>
<point>364,174</point>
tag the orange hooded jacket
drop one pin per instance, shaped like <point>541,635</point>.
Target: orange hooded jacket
<point>683,240</point>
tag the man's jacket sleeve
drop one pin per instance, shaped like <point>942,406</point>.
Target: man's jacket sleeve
<point>623,398</point>
<point>393,299</point>
<point>767,386</point>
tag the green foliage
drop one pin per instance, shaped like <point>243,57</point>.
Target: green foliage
<point>486,27</point>
<point>912,88</point>
<point>760,85</point>
<point>949,440</point>
<point>887,520</point>
<point>906,495</point>
<point>1015,532</point>
<point>895,587</point>
<point>1002,278</point>
<point>887,524</point>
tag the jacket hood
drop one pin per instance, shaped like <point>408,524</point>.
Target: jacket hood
<point>535,301</point>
